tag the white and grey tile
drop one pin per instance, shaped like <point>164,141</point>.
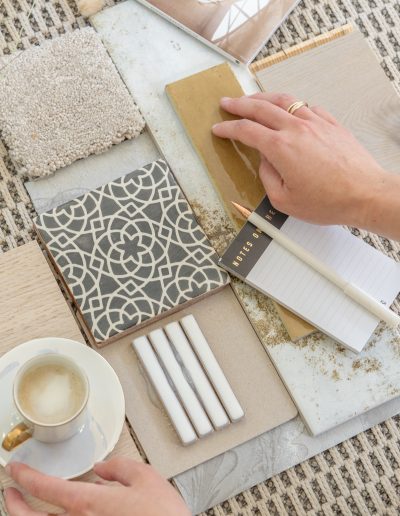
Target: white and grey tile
<point>130,250</point>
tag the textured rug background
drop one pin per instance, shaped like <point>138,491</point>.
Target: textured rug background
<point>362,475</point>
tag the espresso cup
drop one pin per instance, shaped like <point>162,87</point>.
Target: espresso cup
<point>50,393</point>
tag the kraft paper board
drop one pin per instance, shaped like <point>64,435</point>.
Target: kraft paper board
<point>246,366</point>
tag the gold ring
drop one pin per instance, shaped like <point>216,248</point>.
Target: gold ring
<point>295,106</point>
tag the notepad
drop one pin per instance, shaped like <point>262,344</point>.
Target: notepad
<point>264,264</point>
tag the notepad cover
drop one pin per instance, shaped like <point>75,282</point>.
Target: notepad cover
<point>130,251</point>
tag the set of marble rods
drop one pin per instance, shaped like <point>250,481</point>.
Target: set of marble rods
<point>188,379</point>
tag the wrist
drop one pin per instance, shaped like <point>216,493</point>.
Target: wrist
<point>379,210</point>
<point>361,201</point>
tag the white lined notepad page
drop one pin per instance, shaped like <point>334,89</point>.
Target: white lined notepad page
<point>291,282</point>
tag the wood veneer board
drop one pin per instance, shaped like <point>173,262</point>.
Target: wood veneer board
<point>232,166</point>
<point>32,306</point>
<point>345,78</point>
<point>246,366</point>
<point>301,47</point>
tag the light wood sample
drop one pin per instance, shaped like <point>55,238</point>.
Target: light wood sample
<point>301,47</point>
<point>232,166</point>
<point>246,366</point>
<point>32,306</point>
<point>345,78</point>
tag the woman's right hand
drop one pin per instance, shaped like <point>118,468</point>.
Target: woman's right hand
<point>312,167</point>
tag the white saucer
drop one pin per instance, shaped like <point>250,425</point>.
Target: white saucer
<point>105,414</point>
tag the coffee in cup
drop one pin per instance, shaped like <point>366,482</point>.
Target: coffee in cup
<point>50,393</point>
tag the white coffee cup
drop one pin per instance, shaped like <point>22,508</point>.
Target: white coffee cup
<point>50,393</point>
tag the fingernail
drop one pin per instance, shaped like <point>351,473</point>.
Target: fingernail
<point>225,100</point>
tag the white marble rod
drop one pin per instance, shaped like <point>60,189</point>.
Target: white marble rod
<point>184,391</point>
<point>213,369</point>
<point>201,383</point>
<point>167,396</point>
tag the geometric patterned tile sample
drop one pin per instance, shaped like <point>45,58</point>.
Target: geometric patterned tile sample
<point>63,101</point>
<point>130,250</point>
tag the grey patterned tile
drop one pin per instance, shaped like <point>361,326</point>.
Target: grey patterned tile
<point>130,251</point>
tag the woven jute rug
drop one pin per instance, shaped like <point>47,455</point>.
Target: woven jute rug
<point>360,476</point>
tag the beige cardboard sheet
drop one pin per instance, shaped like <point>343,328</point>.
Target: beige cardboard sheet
<point>345,78</point>
<point>32,306</point>
<point>246,365</point>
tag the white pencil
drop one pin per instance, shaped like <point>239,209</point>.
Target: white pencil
<point>357,294</point>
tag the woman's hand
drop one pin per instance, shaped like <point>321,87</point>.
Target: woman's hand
<point>139,491</point>
<point>311,166</point>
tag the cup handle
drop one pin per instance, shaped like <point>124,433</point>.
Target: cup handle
<point>18,435</point>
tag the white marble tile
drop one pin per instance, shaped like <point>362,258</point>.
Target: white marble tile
<point>322,379</point>
<point>86,174</point>
<point>330,385</point>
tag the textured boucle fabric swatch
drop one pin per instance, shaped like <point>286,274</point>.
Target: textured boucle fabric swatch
<point>63,101</point>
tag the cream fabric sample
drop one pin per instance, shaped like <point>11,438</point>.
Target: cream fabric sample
<point>63,101</point>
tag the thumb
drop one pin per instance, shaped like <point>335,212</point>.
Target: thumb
<point>119,469</point>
